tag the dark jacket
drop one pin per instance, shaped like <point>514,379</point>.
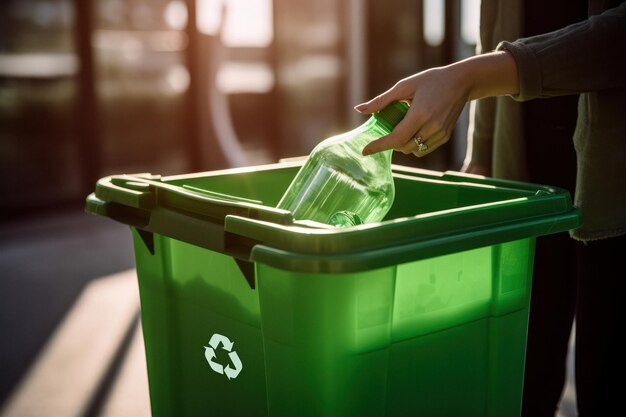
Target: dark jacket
<point>587,58</point>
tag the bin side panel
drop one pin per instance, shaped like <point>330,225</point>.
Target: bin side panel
<point>201,325</point>
<point>438,293</point>
<point>439,356</point>
<point>507,352</point>
<point>326,340</point>
<point>157,325</point>
<point>440,374</point>
<point>508,328</point>
<point>459,332</point>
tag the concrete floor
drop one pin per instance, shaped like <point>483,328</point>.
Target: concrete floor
<point>47,264</point>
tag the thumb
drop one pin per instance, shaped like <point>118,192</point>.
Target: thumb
<point>377,103</point>
<point>398,137</point>
<point>385,143</point>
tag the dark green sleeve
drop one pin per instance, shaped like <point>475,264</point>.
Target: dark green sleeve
<point>583,57</point>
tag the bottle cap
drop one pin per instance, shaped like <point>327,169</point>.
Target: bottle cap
<point>391,115</point>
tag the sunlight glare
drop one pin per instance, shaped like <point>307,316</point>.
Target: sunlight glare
<point>247,23</point>
<point>434,22</point>
<point>245,77</point>
<point>175,15</point>
<point>470,18</point>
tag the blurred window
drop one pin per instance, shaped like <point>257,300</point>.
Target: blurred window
<point>141,85</point>
<point>239,82</point>
<point>39,153</point>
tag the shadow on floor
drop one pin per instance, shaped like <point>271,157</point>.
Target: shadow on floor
<point>46,262</point>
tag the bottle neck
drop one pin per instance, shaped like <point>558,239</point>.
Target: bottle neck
<point>379,128</point>
<point>381,123</point>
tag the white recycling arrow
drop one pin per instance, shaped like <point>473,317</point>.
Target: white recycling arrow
<point>216,339</point>
<point>209,354</point>
<point>232,373</point>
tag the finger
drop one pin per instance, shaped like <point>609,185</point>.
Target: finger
<point>400,135</point>
<point>412,144</point>
<point>430,131</point>
<point>433,135</point>
<point>432,144</point>
<point>378,103</point>
<point>395,140</point>
<point>408,147</point>
<point>382,144</point>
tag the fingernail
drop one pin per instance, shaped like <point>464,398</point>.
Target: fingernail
<point>360,107</point>
<point>366,151</point>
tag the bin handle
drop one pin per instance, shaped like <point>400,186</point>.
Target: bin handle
<point>127,190</point>
<point>142,191</point>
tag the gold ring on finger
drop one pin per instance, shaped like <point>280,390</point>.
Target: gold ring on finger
<point>421,146</point>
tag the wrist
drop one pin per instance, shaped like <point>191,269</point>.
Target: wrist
<point>488,75</point>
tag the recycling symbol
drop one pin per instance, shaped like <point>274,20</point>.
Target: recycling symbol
<point>227,345</point>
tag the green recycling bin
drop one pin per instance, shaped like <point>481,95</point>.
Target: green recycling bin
<point>247,312</point>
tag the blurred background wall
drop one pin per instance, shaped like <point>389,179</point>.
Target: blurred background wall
<point>96,87</point>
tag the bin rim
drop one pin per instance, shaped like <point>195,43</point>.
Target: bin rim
<point>251,231</point>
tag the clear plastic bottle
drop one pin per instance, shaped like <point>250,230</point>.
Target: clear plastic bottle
<point>337,185</point>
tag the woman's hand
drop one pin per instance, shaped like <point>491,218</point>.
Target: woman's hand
<point>437,97</point>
